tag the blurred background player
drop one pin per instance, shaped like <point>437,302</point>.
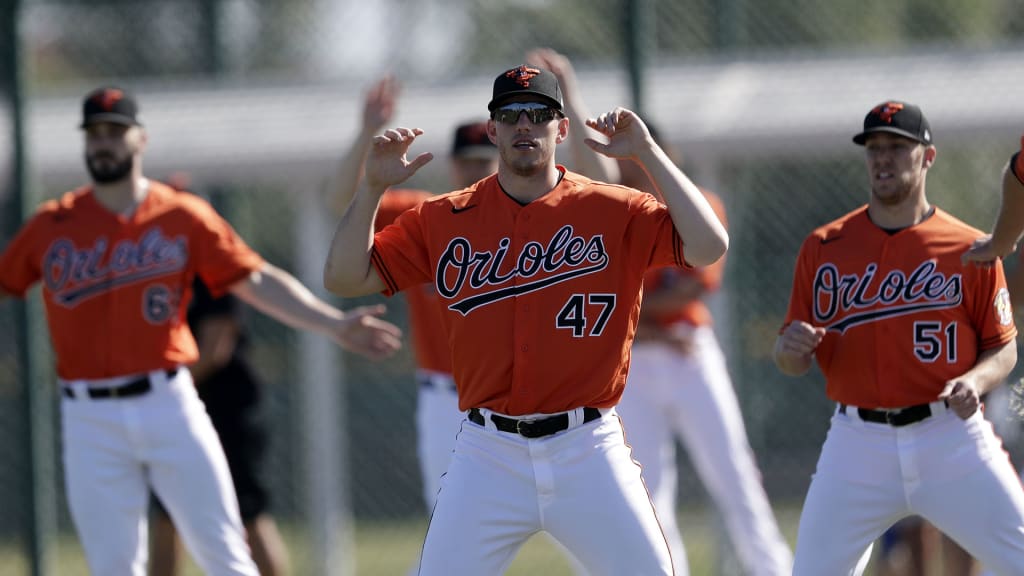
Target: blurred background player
<point>678,384</point>
<point>473,157</point>
<point>232,393</point>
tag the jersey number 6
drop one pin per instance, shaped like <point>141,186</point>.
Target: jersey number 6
<point>573,315</point>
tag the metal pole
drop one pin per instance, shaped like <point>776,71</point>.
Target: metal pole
<point>41,517</point>
<point>640,36</point>
<point>214,56</point>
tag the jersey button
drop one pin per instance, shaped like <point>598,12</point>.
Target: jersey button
<point>525,348</point>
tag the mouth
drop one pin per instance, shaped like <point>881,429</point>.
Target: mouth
<point>523,144</point>
<point>883,176</point>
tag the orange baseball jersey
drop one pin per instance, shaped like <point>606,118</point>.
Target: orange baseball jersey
<point>694,312</point>
<point>540,301</point>
<point>902,314</point>
<point>116,288</point>
<point>430,342</point>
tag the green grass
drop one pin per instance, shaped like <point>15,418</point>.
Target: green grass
<point>390,548</point>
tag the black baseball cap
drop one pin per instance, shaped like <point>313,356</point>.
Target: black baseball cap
<point>109,104</point>
<point>899,118</point>
<point>525,79</point>
<point>471,141</point>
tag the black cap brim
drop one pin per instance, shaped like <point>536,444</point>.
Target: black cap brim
<point>110,118</point>
<point>509,95</point>
<point>861,138</point>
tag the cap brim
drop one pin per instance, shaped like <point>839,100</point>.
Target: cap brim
<point>111,119</point>
<point>477,152</point>
<point>861,138</point>
<point>509,95</point>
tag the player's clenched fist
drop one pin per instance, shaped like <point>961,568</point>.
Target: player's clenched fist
<point>387,165</point>
<point>793,348</point>
<point>962,397</point>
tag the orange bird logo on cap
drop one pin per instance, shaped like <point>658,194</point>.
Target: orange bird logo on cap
<point>887,110</point>
<point>522,75</point>
<point>108,98</point>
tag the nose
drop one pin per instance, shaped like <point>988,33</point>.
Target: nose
<point>523,122</point>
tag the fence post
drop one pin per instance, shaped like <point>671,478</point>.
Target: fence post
<point>40,516</point>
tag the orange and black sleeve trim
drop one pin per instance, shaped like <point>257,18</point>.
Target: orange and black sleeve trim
<point>382,270</point>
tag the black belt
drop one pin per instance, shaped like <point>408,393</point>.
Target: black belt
<point>533,428</point>
<point>895,418</point>
<point>136,387</point>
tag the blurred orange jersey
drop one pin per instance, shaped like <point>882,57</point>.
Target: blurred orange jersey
<point>902,314</point>
<point>430,342</point>
<point>695,312</point>
<point>116,288</point>
<point>540,301</point>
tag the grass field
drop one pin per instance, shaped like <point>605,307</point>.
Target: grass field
<point>390,548</point>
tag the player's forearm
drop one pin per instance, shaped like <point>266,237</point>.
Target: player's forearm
<point>585,160</point>
<point>704,237</point>
<point>281,296</point>
<point>992,367</point>
<point>348,271</point>
<point>342,188</point>
<point>791,364</point>
<point>1010,221</point>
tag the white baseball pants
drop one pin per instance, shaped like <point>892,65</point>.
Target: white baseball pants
<point>579,485</point>
<point>116,449</point>
<point>438,420</point>
<point>952,472</point>
<point>670,395</point>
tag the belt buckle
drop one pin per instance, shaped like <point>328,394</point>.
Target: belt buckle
<point>520,430</point>
<point>890,415</point>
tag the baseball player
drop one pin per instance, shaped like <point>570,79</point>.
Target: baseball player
<point>116,259</point>
<point>232,392</point>
<point>908,339</point>
<point>539,271</point>
<point>473,158</point>
<point>679,386</point>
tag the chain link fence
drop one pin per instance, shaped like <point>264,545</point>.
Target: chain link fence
<point>277,50</point>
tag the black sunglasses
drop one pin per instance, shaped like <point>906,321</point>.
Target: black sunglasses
<point>537,113</point>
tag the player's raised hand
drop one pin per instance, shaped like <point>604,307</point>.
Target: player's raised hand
<point>962,397</point>
<point>387,164</point>
<point>627,134</point>
<point>556,63</point>
<point>380,104</point>
<point>363,333</point>
<point>984,252</point>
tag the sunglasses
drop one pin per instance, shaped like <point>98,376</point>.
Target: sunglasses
<point>537,113</point>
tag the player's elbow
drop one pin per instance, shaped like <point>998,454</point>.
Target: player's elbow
<point>709,250</point>
<point>341,281</point>
<point>337,282</point>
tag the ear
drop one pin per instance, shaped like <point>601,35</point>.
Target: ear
<point>929,156</point>
<point>492,131</point>
<point>563,130</point>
